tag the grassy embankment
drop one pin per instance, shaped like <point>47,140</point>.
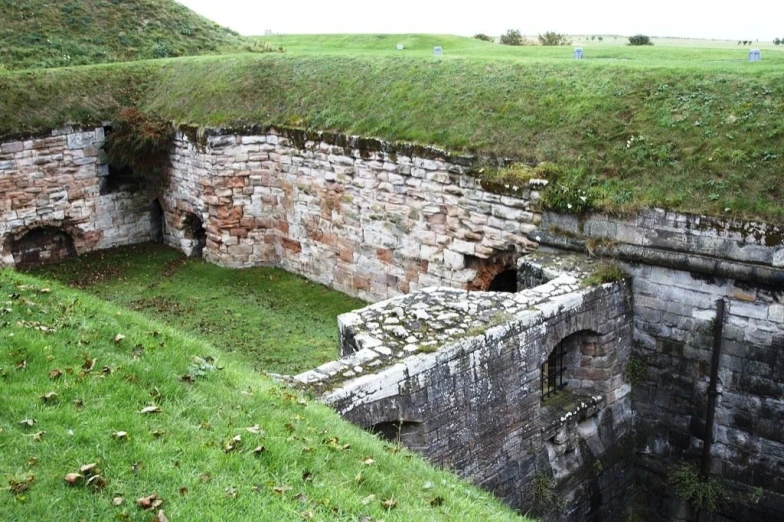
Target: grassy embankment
<point>276,321</point>
<point>689,129</point>
<point>41,33</point>
<point>85,382</point>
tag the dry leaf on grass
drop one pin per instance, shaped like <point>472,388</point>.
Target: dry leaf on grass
<point>150,409</point>
<point>151,502</point>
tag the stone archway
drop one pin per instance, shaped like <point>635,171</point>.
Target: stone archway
<point>494,274</point>
<point>41,245</point>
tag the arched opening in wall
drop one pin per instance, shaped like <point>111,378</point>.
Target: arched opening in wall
<point>406,432</point>
<point>506,281</point>
<point>494,274</point>
<point>42,245</point>
<point>578,364</point>
<point>193,227</point>
<point>157,226</point>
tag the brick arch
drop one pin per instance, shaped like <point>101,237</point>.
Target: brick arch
<point>488,269</point>
<point>70,240</point>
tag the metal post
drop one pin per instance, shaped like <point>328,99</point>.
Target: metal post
<point>712,388</point>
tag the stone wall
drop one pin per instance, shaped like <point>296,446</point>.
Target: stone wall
<point>458,373</point>
<point>365,217</point>
<point>675,298</point>
<point>50,197</point>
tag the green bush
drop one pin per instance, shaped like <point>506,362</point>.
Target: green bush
<point>512,37</point>
<point>640,39</point>
<point>553,38</point>
<point>140,142</point>
<point>483,37</point>
<point>701,493</point>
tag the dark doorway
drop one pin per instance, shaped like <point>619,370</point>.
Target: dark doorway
<point>194,230</point>
<point>41,246</point>
<point>157,226</point>
<point>506,281</point>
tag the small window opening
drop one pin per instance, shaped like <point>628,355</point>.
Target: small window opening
<point>395,431</point>
<point>552,372</point>
<point>506,281</point>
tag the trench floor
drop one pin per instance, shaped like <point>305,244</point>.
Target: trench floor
<point>279,322</point>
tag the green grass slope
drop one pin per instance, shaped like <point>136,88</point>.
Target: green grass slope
<point>692,136</point>
<point>219,442</point>
<point>42,33</point>
<point>278,322</point>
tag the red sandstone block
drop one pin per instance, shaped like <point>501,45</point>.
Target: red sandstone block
<point>346,255</point>
<point>384,255</point>
<point>247,222</point>
<point>239,232</point>
<point>361,283</point>
<point>283,226</point>
<point>293,246</point>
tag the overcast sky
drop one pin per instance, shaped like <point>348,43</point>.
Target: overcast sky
<point>721,19</point>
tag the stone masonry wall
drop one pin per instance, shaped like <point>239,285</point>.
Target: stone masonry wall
<point>460,373</point>
<point>680,266</point>
<point>361,216</point>
<point>54,182</point>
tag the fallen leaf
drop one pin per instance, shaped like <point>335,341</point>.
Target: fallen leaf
<point>188,378</point>
<point>32,461</point>
<point>118,338</point>
<point>281,489</point>
<point>150,409</point>
<point>79,403</point>
<point>308,515</point>
<point>97,482</point>
<point>205,477</point>
<point>368,461</point>
<point>21,365</point>
<point>183,492</point>
<point>231,492</point>
<point>120,435</point>
<point>106,370</point>
<point>135,467</point>
<point>89,469</point>
<point>307,476</point>
<point>73,478</point>
<point>233,444</point>
<point>150,502</point>
<point>55,374</point>
<point>254,429</point>
<point>117,501</point>
<point>368,499</point>
<point>17,487</point>
<point>389,503</point>
<point>161,517</point>
<point>49,397</point>
<point>45,290</point>
<point>88,364</point>
<point>38,436</point>
<point>437,501</point>
<point>158,434</point>
<point>27,423</point>
<point>359,479</point>
<point>259,450</point>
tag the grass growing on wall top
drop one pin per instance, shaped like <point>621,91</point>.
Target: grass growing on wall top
<point>160,412</point>
<point>687,136</point>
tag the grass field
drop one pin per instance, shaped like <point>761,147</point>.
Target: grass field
<point>162,413</point>
<point>276,321</point>
<point>666,52</point>
<point>693,129</point>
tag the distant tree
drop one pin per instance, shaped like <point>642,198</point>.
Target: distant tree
<point>512,37</point>
<point>593,37</point>
<point>640,39</point>
<point>483,37</point>
<point>777,41</point>
<point>553,38</point>
<point>601,38</point>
